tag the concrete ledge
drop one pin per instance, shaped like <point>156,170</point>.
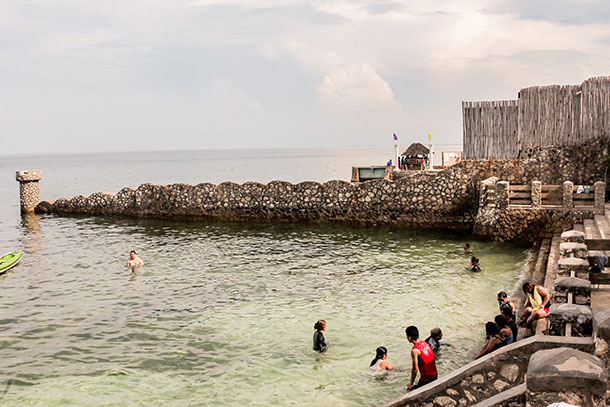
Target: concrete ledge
<point>555,370</point>
<point>515,394</point>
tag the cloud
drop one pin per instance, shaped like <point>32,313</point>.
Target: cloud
<point>356,87</point>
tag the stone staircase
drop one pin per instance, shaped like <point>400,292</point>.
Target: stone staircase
<point>597,228</point>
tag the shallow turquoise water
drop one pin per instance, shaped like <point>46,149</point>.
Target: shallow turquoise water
<point>223,313</point>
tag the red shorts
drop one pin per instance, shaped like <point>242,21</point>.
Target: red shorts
<point>548,311</point>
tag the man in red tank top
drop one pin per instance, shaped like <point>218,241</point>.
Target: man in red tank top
<point>423,360</point>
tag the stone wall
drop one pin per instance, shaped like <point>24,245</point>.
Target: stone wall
<point>488,376</point>
<point>445,199</point>
<point>525,225</point>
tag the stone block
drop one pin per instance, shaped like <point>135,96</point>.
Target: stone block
<point>601,324</point>
<point>580,314</point>
<point>555,370</point>
<point>28,175</point>
<point>579,266</point>
<point>444,401</point>
<point>510,372</point>
<point>569,249</point>
<point>576,286</point>
<point>573,236</point>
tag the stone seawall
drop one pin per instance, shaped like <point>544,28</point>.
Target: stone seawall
<point>445,199</point>
<point>426,200</point>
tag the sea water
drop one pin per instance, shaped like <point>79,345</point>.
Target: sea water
<point>222,313</point>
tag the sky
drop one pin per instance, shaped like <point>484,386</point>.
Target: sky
<point>107,75</point>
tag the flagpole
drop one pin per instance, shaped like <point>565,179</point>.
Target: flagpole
<point>396,166</point>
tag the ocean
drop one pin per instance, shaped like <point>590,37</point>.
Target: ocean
<point>222,313</point>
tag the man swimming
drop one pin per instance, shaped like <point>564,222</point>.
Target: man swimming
<point>134,260</point>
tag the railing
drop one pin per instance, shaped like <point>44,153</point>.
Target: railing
<point>502,194</point>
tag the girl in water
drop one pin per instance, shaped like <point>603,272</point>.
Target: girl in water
<point>319,342</point>
<point>474,265</point>
<point>380,362</point>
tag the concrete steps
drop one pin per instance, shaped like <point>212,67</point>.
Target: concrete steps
<point>591,231</point>
<point>603,226</point>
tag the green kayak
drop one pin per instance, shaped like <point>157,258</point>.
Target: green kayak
<point>9,260</point>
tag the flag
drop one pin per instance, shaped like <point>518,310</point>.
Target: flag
<point>429,137</point>
<point>395,137</point>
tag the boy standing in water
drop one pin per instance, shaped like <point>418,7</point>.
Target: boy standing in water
<point>422,358</point>
<point>319,342</point>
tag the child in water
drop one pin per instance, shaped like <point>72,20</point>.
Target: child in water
<point>380,362</point>
<point>474,265</point>
<point>319,342</point>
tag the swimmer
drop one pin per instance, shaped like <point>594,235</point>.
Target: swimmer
<point>380,362</point>
<point>319,342</point>
<point>134,260</point>
<point>474,265</point>
<point>467,248</point>
<point>434,340</point>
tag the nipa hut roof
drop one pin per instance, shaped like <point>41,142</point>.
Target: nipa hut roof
<point>416,148</point>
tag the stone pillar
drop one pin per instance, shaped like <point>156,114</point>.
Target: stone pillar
<point>536,194</point>
<point>568,195</point>
<point>600,197</point>
<point>29,192</point>
<point>566,375</point>
<point>502,195</point>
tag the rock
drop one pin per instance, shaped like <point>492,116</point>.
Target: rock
<point>570,249</point>
<point>510,372</point>
<point>501,385</point>
<point>577,286</point>
<point>452,392</point>
<point>573,236</point>
<point>601,324</point>
<point>478,378</point>
<point>470,397</point>
<point>555,370</point>
<point>444,401</point>
<point>580,314</point>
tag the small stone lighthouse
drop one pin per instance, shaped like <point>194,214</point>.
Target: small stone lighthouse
<point>29,190</point>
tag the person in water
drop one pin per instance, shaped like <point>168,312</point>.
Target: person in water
<point>422,359</point>
<point>467,248</point>
<point>134,260</point>
<point>494,339</point>
<point>434,340</point>
<point>319,342</point>
<point>474,265</point>
<point>537,305</point>
<point>380,362</point>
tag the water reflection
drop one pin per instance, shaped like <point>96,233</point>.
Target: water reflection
<point>32,230</point>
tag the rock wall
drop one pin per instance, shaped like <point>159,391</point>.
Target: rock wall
<point>446,199</point>
<point>488,376</point>
<point>525,225</point>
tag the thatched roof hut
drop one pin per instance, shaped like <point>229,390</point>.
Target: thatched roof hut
<point>416,149</point>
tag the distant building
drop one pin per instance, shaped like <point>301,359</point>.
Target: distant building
<point>416,157</point>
